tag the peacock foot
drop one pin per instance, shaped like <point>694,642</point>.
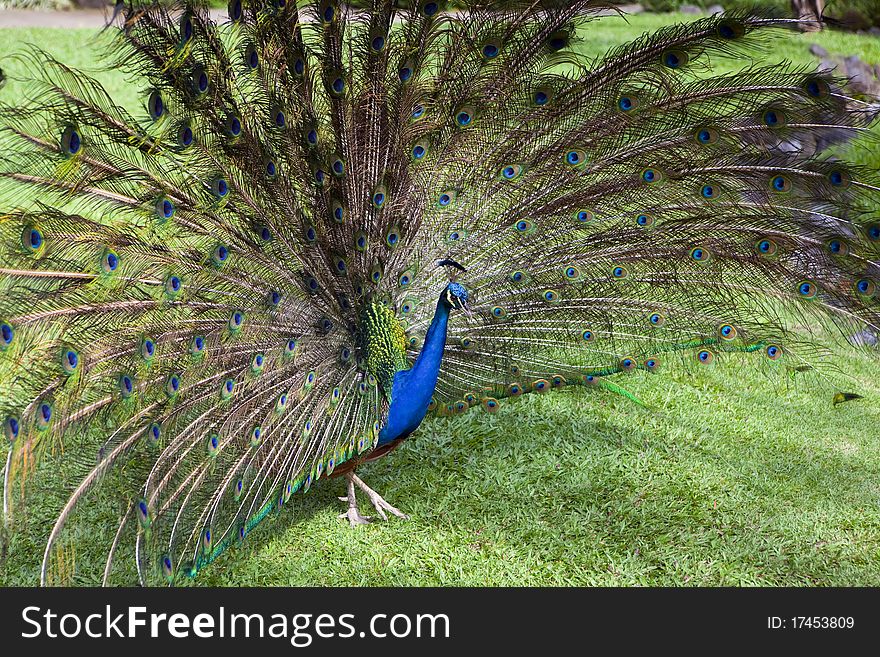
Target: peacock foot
<point>353,514</point>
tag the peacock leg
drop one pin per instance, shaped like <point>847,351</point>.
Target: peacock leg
<point>354,516</point>
<point>381,505</point>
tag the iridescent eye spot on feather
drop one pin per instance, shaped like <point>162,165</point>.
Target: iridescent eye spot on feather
<point>491,405</point>
<point>234,11</point>
<point>172,385</point>
<point>583,216</point>
<point>540,385</point>
<point>232,126</point>
<point>257,363</point>
<point>200,81</point>
<point>32,239</point>
<point>774,118</point>
<point>838,247</point>
<point>730,29</point>
<point>627,103</point>
<point>575,158</point>
<point>780,184</point>
<point>652,364</point>
<point>345,355</point>
<point>511,171</point>
<point>705,357</point>
<point>588,336</point>
<point>154,434</point>
<point>219,188</point>
<point>361,243</point>
<point>173,285</point>
<point>873,232</point>
<point>252,57</point>
<point>628,364</point>
<point>700,254</point>
<point>147,348</point>
<point>674,59</point>
<point>185,136</point>
<point>213,445</point>
<point>514,390</point>
<point>340,265</point>
<point>337,210</point>
<point>405,278</point>
<point>377,43</point>
<point>319,176</point>
<point>337,85</point>
<point>7,334</point>
<point>408,306</point>
<point>467,343</point>
<point>226,389</point>
<point>727,332</point>
<point>710,191</point>
<point>706,136</point>
<point>310,234</point>
<point>164,209</point>
<point>279,118</point>
<point>69,361</point>
<point>559,40</point>
<point>109,262</point>
<point>865,287</point>
<point>392,238</point>
<point>281,404</point>
<point>220,255</point>
<point>645,220</point>
<point>517,276</point>
<point>429,8</point>
<point>419,151</point>
<point>197,346</point>
<point>417,112</point>
<point>542,97</point>
<point>651,175</point>
<point>186,28</point>
<point>656,319</point>
<point>327,11</point>
<point>236,320</point>
<point>290,347</point>
<point>550,296</point>
<point>464,117</point>
<point>71,141</point>
<point>256,436</point>
<point>619,272</point>
<point>490,49</point>
<point>376,273</point>
<point>405,72</point>
<point>143,512</point>
<point>767,247</point>
<point>773,352</point>
<point>591,379</point>
<point>155,105</point>
<point>571,273</point>
<point>524,227</point>
<point>839,178</point>
<point>807,290</point>
<point>271,169</point>
<point>816,87</point>
<point>379,197</point>
<point>44,416</point>
<point>446,199</point>
<point>125,384</point>
<point>498,312</point>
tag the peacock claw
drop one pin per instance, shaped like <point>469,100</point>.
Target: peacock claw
<point>380,504</point>
<point>353,514</point>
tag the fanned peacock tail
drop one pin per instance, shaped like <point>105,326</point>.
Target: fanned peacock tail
<point>207,304</point>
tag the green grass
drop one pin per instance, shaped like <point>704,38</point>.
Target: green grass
<point>733,477</point>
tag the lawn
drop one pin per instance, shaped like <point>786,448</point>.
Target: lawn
<point>732,477</point>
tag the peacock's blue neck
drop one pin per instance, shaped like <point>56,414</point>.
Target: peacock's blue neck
<point>412,389</point>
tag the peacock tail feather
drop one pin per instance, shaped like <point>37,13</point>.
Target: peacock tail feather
<point>205,304</point>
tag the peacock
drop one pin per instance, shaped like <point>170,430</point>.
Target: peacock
<point>327,221</point>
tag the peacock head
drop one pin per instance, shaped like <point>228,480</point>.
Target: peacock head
<point>456,296</point>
